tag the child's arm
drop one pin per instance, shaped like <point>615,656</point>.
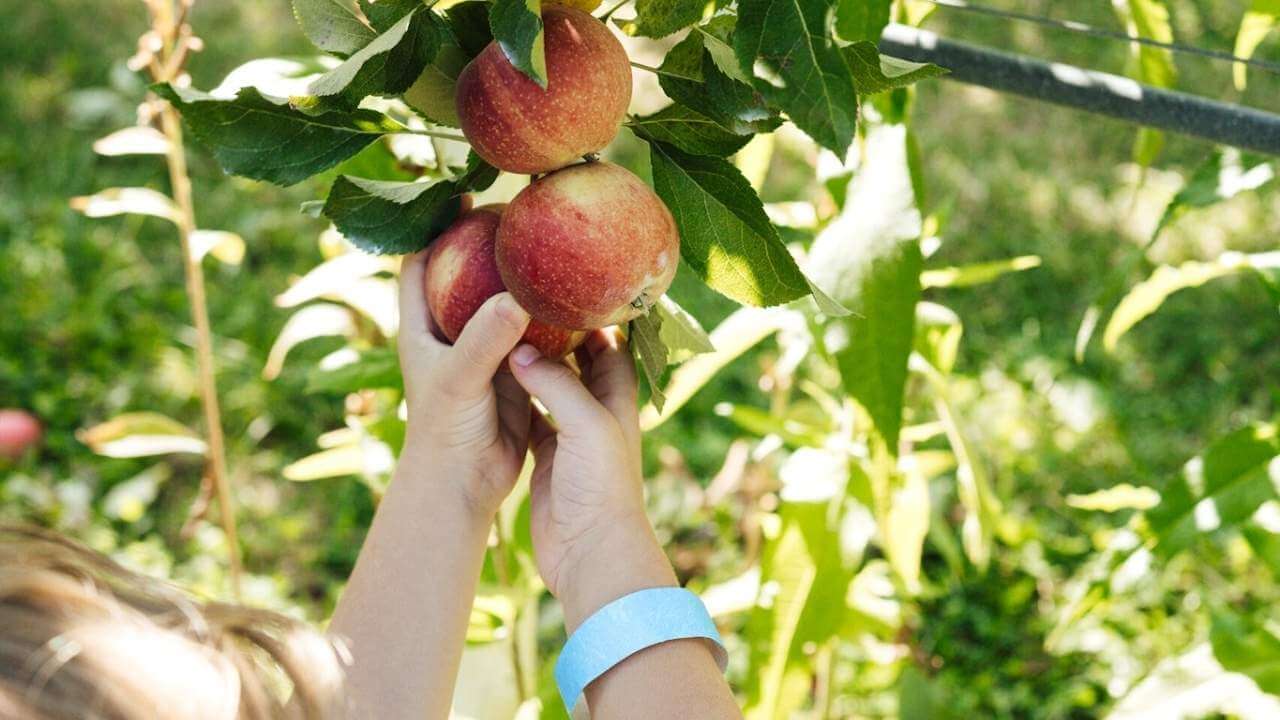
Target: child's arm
<point>593,541</point>
<point>406,607</point>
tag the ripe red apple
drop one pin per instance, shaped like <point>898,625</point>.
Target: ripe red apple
<point>461,274</point>
<point>19,431</point>
<point>587,247</point>
<point>519,127</point>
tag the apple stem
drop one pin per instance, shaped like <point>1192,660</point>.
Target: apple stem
<point>591,157</point>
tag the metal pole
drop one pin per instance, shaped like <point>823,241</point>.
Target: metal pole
<point>1096,92</point>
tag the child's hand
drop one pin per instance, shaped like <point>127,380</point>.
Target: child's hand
<point>591,536</point>
<point>467,421</point>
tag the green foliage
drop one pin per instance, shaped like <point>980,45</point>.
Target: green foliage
<point>1247,647</point>
<point>792,40</point>
<point>659,18</point>
<point>386,66</point>
<point>1262,18</point>
<point>692,76</point>
<point>267,139</point>
<point>517,28</point>
<point>689,131</point>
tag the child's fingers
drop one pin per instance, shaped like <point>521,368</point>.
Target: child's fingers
<point>613,378</point>
<point>577,413</point>
<point>513,409</point>
<point>469,366</point>
<point>413,301</point>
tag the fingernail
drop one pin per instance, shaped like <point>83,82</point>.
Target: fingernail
<point>509,309</point>
<point>525,355</point>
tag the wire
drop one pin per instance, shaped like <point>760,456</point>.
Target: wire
<point>1085,29</point>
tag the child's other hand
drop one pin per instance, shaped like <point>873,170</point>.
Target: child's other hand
<point>591,536</point>
<point>467,422</point>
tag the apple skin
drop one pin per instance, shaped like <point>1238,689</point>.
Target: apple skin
<point>461,274</point>
<point>517,126</point>
<point>587,247</point>
<point>19,431</point>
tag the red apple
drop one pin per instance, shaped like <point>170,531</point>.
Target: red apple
<point>461,274</point>
<point>19,431</point>
<point>518,126</point>
<point>587,247</point>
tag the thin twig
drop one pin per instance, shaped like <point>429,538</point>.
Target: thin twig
<point>434,134</point>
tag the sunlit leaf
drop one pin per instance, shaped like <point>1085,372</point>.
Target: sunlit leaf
<point>121,201</point>
<point>227,247</point>
<point>645,338</point>
<point>875,73</point>
<point>141,434</point>
<point>386,66</point>
<point>133,141</point>
<point>312,321</point>
<point>1262,18</point>
<point>689,131</point>
<point>1154,65</point>
<point>977,273</point>
<point>1115,498</point>
<point>659,18</point>
<point>333,275</point>
<point>517,27</point>
<point>691,74</point>
<point>334,25</point>
<point>681,332</point>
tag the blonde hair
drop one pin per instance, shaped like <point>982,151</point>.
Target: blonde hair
<point>82,638</point>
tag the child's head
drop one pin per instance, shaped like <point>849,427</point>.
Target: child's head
<point>82,638</point>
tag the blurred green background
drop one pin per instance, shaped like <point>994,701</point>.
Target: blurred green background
<point>95,323</point>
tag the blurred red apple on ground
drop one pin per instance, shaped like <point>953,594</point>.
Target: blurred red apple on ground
<point>19,431</point>
<point>462,273</point>
<point>587,247</point>
<point>519,127</point>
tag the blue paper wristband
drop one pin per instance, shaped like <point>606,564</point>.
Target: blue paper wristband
<point>627,626</point>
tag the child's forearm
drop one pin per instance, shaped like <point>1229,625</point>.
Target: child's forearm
<point>406,608</point>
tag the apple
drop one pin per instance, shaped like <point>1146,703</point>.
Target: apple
<point>462,273</point>
<point>19,431</point>
<point>587,247</point>
<point>518,126</point>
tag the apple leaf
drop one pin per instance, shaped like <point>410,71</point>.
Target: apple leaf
<point>386,66</point>
<point>1221,488</point>
<point>873,366</point>
<point>517,26</point>
<point>336,26</point>
<point>384,217</point>
<point>645,336</point>
<point>725,236</point>
<point>266,139</point>
<point>715,38</point>
<point>1244,645</point>
<point>466,34</point>
<point>659,18</point>
<point>1263,17</point>
<point>689,131</point>
<point>858,20</point>
<point>384,14</point>
<point>875,73</point>
<point>691,76</point>
<point>681,332</point>
<point>791,40</point>
<point>377,368</point>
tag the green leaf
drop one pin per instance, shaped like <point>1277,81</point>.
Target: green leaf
<point>1147,296</point>
<point>689,131</point>
<point>645,337</point>
<point>1223,176</point>
<point>875,73</point>
<point>977,273</point>
<point>1247,647</point>
<point>336,26</point>
<point>517,27</point>
<point>680,332</point>
<point>791,39</point>
<point>141,434</point>
<point>801,605</point>
<point>738,333</point>
<point>469,21</point>
<point>715,35</point>
<point>378,368</point>
<point>386,66</point>
<point>659,18</point>
<point>859,20</point>
<point>919,698</point>
<point>1265,544</point>
<point>264,138</point>
<point>1220,489</point>
<point>384,14</point>
<point>873,366</point>
<point>1116,498</point>
<point>1262,18</point>
<point>691,76</point>
<point>725,236</point>
<point>1154,65</point>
